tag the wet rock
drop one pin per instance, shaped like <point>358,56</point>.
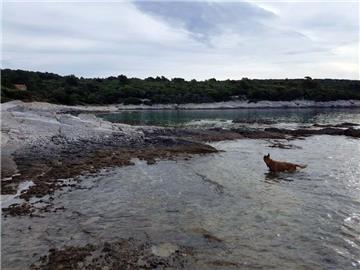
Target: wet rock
<point>254,121</point>
<point>352,132</point>
<point>282,145</point>
<point>191,134</point>
<point>68,258</point>
<point>268,133</point>
<point>342,125</point>
<point>9,186</point>
<point>217,186</point>
<point>220,263</point>
<point>212,238</point>
<point>18,209</point>
<point>151,161</point>
<point>207,235</point>
<point>164,250</point>
<point>122,254</point>
<point>308,132</point>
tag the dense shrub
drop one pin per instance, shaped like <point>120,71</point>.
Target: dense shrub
<point>132,100</point>
<point>72,90</point>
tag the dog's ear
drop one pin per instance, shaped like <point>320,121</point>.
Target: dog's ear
<point>268,155</point>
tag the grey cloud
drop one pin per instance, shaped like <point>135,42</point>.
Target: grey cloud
<point>204,19</point>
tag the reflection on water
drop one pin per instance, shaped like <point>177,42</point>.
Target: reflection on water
<point>180,117</point>
<point>304,220</point>
<point>276,177</point>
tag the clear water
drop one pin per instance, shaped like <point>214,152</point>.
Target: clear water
<point>305,220</point>
<point>185,117</point>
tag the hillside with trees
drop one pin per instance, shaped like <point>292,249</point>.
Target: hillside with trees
<point>71,90</point>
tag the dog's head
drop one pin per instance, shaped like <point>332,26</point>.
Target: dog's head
<point>267,157</point>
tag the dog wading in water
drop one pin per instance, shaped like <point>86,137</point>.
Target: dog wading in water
<point>280,166</point>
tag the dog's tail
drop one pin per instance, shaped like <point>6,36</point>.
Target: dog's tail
<point>301,166</point>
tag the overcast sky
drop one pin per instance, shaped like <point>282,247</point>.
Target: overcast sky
<point>200,40</point>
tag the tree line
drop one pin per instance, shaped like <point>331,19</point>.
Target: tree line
<point>71,90</point>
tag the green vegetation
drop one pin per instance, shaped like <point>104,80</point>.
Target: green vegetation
<point>71,90</point>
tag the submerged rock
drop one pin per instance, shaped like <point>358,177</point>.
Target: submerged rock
<point>122,254</point>
<point>256,121</point>
<point>164,250</point>
<point>342,125</point>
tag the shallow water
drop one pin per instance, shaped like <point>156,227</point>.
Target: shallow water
<point>185,117</point>
<point>306,220</point>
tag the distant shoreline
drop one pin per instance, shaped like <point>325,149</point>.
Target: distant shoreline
<point>228,105</point>
<point>246,105</point>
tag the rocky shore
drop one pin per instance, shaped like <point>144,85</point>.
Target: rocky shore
<point>47,146</point>
<point>51,148</point>
<point>245,104</point>
<point>44,144</point>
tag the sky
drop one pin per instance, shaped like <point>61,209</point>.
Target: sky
<point>188,39</point>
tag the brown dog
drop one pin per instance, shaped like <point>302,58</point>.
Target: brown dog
<point>279,166</point>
